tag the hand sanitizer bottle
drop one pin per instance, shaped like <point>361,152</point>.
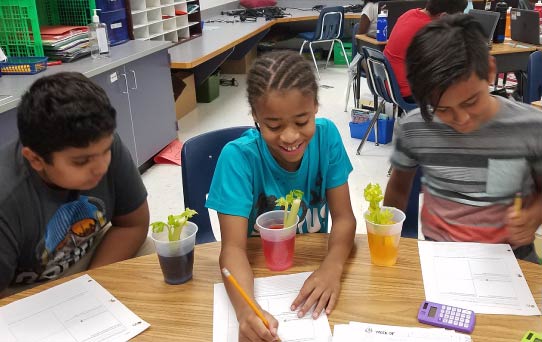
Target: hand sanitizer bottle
<point>98,41</point>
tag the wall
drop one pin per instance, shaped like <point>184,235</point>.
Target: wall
<point>206,4</point>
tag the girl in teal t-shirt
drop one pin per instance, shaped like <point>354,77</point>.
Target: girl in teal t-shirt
<point>289,149</point>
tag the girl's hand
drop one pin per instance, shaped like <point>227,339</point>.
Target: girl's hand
<point>522,227</point>
<point>252,329</point>
<point>321,288</point>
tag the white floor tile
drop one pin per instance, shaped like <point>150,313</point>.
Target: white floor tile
<point>164,183</point>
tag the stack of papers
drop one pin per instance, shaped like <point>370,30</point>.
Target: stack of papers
<point>65,43</point>
<point>366,332</point>
<point>484,278</point>
<point>76,311</point>
<point>275,295</point>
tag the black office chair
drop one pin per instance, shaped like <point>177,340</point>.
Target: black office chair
<point>198,159</point>
<point>330,28</point>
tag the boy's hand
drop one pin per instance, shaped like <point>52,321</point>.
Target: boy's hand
<point>252,329</point>
<point>522,227</point>
<point>321,288</point>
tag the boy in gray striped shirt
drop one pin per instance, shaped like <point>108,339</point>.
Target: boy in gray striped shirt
<point>476,151</point>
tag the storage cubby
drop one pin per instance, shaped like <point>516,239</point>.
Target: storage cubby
<point>170,20</point>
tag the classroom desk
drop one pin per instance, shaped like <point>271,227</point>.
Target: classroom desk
<point>385,295</point>
<point>509,56</point>
<point>212,43</point>
<point>537,104</point>
<point>365,40</point>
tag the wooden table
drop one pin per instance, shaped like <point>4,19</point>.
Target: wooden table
<point>537,104</point>
<point>385,295</point>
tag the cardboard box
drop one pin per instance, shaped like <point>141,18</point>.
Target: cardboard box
<point>184,92</point>
<point>240,66</point>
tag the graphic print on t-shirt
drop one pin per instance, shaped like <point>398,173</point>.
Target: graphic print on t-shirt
<point>69,234</point>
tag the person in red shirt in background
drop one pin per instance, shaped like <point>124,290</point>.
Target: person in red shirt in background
<point>404,30</point>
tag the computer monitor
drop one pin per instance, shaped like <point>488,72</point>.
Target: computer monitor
<point>488,20</point>
<point>396,8</point>
<point>524,26</point>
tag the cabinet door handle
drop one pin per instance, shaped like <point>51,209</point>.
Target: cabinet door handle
<point>135,80</point>
<point>125,83</point>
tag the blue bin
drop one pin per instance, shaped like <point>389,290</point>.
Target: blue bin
<point>110,5</point>
<point>117,26</point>
<point>385,130</point>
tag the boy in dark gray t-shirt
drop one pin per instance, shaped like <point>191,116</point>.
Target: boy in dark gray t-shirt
<point>63,181</point>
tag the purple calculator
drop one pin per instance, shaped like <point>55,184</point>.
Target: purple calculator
<point>445,316</point>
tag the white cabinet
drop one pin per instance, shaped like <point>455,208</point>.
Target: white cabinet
<point>169,20</point>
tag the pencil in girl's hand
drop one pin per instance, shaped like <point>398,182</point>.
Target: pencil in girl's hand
<point>517,203</point>
<point>243,294</point>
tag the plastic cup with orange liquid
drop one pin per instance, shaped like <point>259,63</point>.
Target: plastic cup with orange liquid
<point>384,238</point>
<point>278,242</point>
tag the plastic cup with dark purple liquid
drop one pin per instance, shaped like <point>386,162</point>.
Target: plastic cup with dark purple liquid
<point>176,257</point>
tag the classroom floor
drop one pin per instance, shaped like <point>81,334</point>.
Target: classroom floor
<point>231,108</point>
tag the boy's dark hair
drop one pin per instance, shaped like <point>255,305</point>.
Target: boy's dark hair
<point>442,53</point>
<point>435,7</point>
<point>63,110</point>
<point>281,70</point>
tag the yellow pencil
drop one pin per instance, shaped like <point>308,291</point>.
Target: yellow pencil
<point>518,203</point>
<point>243,294</point>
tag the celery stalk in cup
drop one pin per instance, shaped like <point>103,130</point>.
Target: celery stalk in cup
<point>174,225</point>
<point>291,203</point>
<point>373,195</point>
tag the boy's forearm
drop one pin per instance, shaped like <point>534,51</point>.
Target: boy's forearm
<point>236,261</point>
<point>398,189</point>
<point>119,243</point>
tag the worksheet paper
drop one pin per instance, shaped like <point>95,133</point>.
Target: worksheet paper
<point>366,332</point>
<point>78,310</point>
<point>485,278</point>
<point>275,295</point>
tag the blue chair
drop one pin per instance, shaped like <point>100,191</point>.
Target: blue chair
<point>198,159</point>
<point>533,91</point>
<point>330,28</point>
<point>382,84</point>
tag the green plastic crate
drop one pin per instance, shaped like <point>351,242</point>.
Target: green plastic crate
<point>20,22</point>
<point>338,55</point>
<point>65,12</point>
<point>209,90</point>
<point>19,28</point>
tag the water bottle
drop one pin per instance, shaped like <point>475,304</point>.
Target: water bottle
<point>487,6</point>
<point>382,27</point>
<point>508,31</point>
<point>469,7</point>
<point>498,35</point>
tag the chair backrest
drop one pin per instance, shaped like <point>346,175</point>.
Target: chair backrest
<point>330,23</point>
<point>381,79</point>
<point>354,40</point>
<point>534,78</point>
<point>198,159</point>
